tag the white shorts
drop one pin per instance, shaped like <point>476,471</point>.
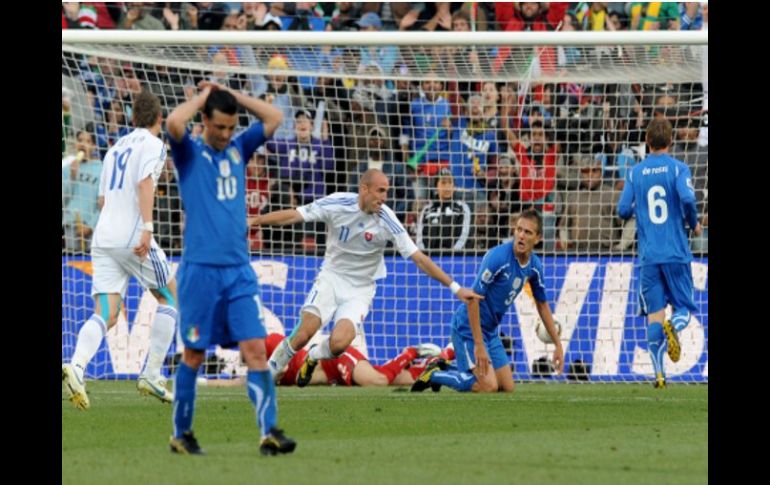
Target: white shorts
<point>114,266</point>
<point>333,298</point>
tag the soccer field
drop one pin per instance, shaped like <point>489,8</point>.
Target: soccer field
<point>541,434</point>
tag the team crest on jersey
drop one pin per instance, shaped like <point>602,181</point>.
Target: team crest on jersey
<point>234,155</point>
<point>193,334</point>
<point>516,283</point>
<point>368,236</point>
<point>486,276</point>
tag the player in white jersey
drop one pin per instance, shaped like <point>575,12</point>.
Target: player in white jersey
<point>122,247</point>
<point>359,227</point>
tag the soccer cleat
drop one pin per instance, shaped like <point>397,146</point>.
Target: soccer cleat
<point>423,380</point>
<point>306,371</point>
<point>660,382</point>
<point>275,442</point>
<point>428,350</point>
<point>186,445</point>
<point>674,349</point>
<point>156,388</point>
<point>76,386</point>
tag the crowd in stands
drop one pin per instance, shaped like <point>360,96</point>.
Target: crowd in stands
<point>463,157</point>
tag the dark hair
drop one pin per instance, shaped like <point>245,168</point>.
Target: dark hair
<point>222,101</point>
<point>659,133</point>
<point>462,14</point>
<point>146,109</point>
<point>534,215</point>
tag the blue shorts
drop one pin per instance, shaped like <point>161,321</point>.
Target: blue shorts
<point>218,305</point>
<point>661,284</point>
<point>466,357</point>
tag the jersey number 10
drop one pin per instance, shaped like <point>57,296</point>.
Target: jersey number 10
<point>227,187</point>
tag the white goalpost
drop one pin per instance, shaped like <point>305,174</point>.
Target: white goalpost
<point>519,119</point>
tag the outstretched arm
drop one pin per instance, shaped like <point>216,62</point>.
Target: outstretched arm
<point>430,268</point>
<point>277,218</point>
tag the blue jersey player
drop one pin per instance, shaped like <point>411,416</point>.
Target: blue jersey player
<point>219,299</point>
<point>504,271</point>
<point>660,193</point>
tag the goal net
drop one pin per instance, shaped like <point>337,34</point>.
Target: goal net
<point>470,129</point>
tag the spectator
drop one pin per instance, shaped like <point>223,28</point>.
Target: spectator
<point>688,149</point>
<point>569,56</point>
<point>271,22</point>
<point>303,160</point>
<point>379,156</point>
<point>115,126</point>
<point>136,16</point>
<point>70,13</point>
<point>180,16</point>
<point>285,95</point>
<point>384,56</point>
<point>80,193</point>
<point>255,14</point>
<point>532,16</point>
<point>504,200</point>
<point>464,61</point>
<point>257,195</point>
<point>345,17</point>
<point>588,217</point>
<point>654,16</point>
<point>168,210</point>
<point>211,15</point>
<point>593,16</point>
<point>538,179</point>
<point>427,134</point>
<point>444,224</point>
<point>474,144</point>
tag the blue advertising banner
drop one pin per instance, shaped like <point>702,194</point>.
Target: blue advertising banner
<point>594,299</point>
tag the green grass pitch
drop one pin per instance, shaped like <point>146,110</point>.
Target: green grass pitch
<point>543,433</point>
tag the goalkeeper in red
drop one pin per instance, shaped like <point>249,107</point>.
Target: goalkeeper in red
<point>660,193</point>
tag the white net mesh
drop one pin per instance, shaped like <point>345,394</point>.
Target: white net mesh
<point>554,127</point>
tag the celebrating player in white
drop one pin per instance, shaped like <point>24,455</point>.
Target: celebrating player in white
<point>359,227</point>
<point>122,247</point>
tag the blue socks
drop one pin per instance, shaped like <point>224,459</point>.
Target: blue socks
<point>459,381</point>
<point>261,391</point>
<point>184,399</point>
<point>680,319</point>
<point>656,345</point>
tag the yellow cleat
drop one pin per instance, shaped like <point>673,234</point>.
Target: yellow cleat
<point>306,371</point>
<point>76,387</point>
<point>674,349</point>
<point>660,382</point>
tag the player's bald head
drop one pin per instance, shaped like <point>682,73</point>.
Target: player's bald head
<point>372,191</point>
<point>373,176</point>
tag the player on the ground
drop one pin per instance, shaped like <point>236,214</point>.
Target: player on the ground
<point>351,368</point>
<point>660,193</point>
<point>219,299</point>
<point>358,229</point>
<point>123,246</point>
<point>504,271</point>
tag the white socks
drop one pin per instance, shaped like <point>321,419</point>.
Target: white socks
<point>281,356</point>
<point>321,351</point>
<point>89,339</point>
<point>161,335</point>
